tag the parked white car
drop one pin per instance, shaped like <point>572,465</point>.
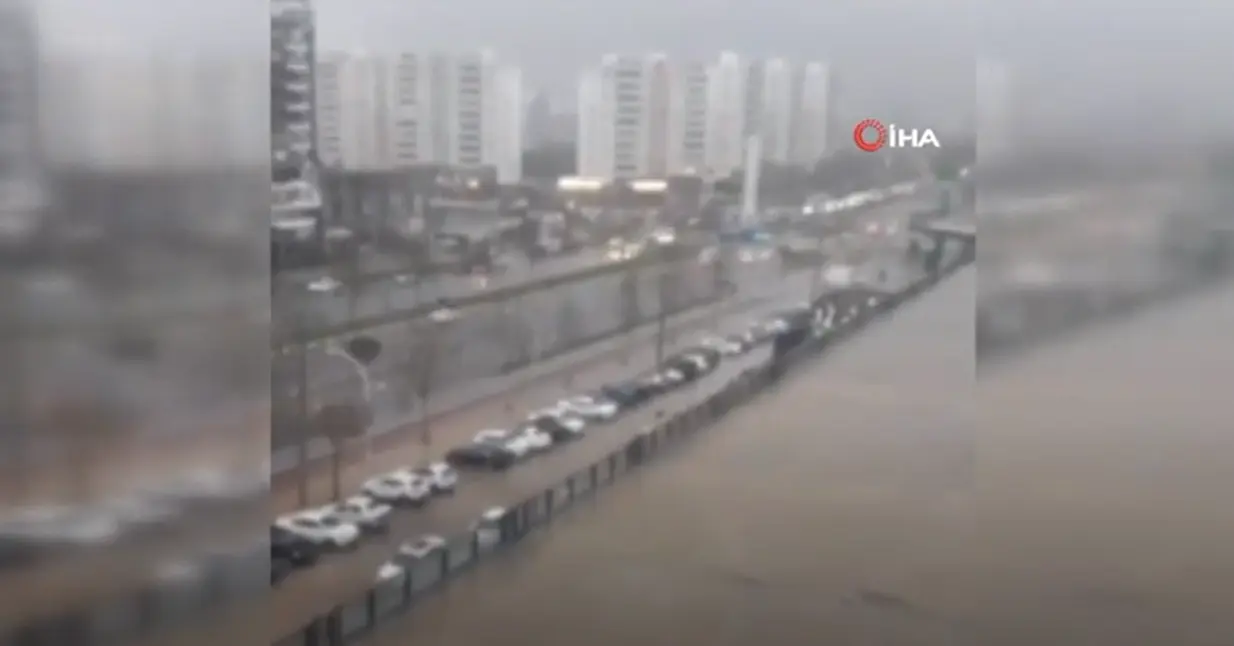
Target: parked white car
<point>516,443</point>
<point>571,420</point>
<point>363,511</point>
<point>324,285</point>
<point>491,435</point>
<point>536,439</point>
<point>441,476</point>
<point>399,488</point>
<point>722,345</point>
<point>488,526</point>
<point>591,408</point>
<point>421,547</point>
<point>389,571</point>
<point>320,528</point>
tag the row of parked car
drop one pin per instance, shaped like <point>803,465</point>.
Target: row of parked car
<point>298,539</point>
<point>569,419</point>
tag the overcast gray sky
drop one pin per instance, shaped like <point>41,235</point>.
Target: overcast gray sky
<point>1144,64</point>
<point>1119,59</point>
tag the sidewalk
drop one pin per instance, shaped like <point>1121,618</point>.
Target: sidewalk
<point>507,400</point>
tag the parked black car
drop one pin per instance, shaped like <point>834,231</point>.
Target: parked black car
<point>286,546</point>
<point>743,341</point>
<point>280,569</point>
<point>482,455</point>
<point>555,428</point>
<point>629,394</point>
<point>688,369</point>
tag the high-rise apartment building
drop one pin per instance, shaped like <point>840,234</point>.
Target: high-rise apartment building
<point>595,130</point>
<point>21,191</point>
<point>381,112</point>
<point>688,119</point>
<point>292,117</point>
<point>769,107</point>
<point>813,114</point>
<point>727,103</point>
<point>409,86</point>
<point>624,117</point>
<point>644,115</point>
<point>354,112</point>
<point>476,100</point>
<point>505,136</point>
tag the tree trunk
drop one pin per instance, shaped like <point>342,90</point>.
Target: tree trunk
<point>426,375</point>
<point>336,472</point>
<point>303,428</point>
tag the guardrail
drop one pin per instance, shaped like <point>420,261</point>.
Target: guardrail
<point>393,597</point>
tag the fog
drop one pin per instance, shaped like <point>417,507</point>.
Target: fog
<point>135,154</point>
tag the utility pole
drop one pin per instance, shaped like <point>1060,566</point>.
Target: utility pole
<point>425,375</point>
<point>303,436</point>
<point>816,276</point>
<point>662,314</point>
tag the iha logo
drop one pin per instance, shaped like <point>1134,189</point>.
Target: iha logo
<point>871,135</point>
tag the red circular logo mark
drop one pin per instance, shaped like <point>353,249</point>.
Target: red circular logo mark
<point>863,127</point>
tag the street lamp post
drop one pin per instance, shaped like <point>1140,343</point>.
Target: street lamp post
<point>366,385</point>
<point>662,310</point>
<point>424,376</point>
<point>425,356</point>
<point>303,418</point>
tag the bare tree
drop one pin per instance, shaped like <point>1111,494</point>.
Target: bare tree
<point>341,423</point>
<point>419,371</point>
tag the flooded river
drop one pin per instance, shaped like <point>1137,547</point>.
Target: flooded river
<point>858,505</point>
<point>829,509</point>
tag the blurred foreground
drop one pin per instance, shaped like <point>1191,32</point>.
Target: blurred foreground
<point>134,423</point>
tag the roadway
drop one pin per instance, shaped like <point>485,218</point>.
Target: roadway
<point>481,405</point>
<point>227,534</point>
<point>336,580</point>
<point>315,590</point>
<point>403,291</point>
<point>488,339</point>
<point>111,571</point>
<point>831,510</point>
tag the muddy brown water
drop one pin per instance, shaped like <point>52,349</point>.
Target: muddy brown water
<point>883,497</point>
